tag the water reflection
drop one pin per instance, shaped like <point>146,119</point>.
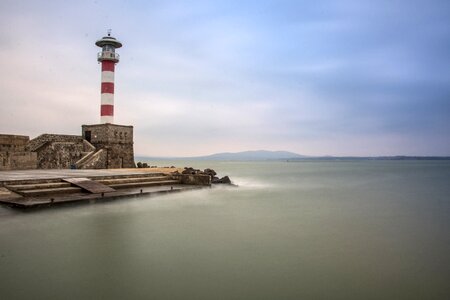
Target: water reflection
<point>330,230</point>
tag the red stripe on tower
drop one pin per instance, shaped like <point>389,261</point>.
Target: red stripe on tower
<point>108,58</point>
<point>108,65</point>
<point>107,87</point>
<point>107,110</point>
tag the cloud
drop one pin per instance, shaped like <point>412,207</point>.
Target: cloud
<point>347,77</point>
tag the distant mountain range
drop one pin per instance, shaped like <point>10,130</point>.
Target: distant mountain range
<point>238,156</point>
<point>252,155</point>
<point>261,155</point>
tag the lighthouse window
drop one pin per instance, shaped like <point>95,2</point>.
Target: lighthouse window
<point>108,48</point>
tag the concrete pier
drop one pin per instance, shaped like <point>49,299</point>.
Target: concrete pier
<point>45,188</point>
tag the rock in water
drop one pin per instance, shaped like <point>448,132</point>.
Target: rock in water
<point>210,172</point>
<point>223,180</point>
<point>190,170</point>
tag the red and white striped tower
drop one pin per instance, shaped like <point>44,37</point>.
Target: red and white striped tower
<point>108,58</point>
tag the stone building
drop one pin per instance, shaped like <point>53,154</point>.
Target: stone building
<point>116,142</point>
<point>101,146</point>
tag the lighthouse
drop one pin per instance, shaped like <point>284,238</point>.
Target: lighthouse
<point>113,143</point>
<point>108,59</point>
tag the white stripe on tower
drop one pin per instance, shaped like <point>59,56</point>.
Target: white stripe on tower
<point>107,99</point>
<point>107,119</point>
<point>107,76</point>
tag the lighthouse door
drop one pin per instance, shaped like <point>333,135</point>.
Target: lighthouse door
<point>87,135</point>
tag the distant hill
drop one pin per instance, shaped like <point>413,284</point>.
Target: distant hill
<point>236,156</point>
<point>252,155</point>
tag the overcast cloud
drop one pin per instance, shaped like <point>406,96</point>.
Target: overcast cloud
<point>198,77</point>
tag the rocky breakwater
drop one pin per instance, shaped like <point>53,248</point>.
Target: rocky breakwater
<point>209,172</point>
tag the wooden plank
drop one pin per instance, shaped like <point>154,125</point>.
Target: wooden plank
<point>90,185</point>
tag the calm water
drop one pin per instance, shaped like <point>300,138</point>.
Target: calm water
<point>310,230</point>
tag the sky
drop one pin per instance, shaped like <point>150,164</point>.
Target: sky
<point>347,77</point>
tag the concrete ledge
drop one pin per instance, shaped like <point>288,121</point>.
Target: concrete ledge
<point>193,179</point>
<point>35,188</point>
<point>41,202</point>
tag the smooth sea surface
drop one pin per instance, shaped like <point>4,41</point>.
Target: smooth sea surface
<point>297,230</point>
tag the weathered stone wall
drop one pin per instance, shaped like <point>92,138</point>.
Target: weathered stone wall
<point>13,143</point>
<point>58,151</point>
<point>13,154</point>
<point>95,161</point>
<point>108,133</point>
<point>88,147</point>
<point>120,156</point>
<point>18,160</point>
<point>59,155</point>
<point>37,142</point>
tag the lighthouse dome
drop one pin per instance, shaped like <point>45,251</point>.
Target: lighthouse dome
<point>108,40</point>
